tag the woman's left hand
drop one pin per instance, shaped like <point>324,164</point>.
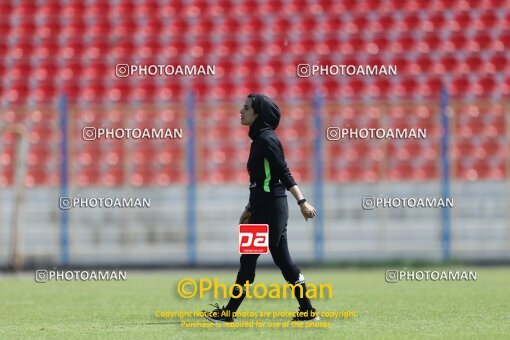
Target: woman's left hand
<point>308,211</point>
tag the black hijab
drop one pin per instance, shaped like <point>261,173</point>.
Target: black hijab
<point>268,114</point>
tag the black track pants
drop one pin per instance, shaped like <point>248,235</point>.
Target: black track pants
<point>275,213</point>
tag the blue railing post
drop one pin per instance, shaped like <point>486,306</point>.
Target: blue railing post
<point>445,175</point>
<point>318,179</point>
<point>192,186</point>
<point>64,190</point>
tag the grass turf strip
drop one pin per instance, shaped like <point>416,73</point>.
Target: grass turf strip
<point>116,309</point>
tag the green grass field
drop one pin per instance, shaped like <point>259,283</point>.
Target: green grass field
<point>127,309</point>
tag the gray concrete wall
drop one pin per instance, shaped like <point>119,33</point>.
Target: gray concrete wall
<point>158,235</point>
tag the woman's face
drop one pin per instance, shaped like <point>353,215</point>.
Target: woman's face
<point>247,114</point>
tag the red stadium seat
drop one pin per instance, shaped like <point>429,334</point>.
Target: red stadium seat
<point>45,93</point>
<point>146,91</point>
<point>355,88</point>
<point>431,42</point>
<point>97,49</point>
<point>447,64</point>
<point>18,92</point>
<point>250,25</point>
<point>384,23</point>
<point>301,46</point>
<point>333,24</point>
<point>143,176</point>
<point>75,29</point>
<point>482,41</point>
<point>505,21</point>
<point>6,8</point>
<point>175,27</point>
<point>463,148</point>
<point>423,65</point>
<point>487,20</point>
<point>485,86</point>
<point>498,170</point>
<point>460,86</point>
<point>430,152</point>
<point>170,175</point>
<point>462,44</point>
<point>227,48</point>
<point>301,172</point>
<point>399,171</point>
<point>16,116</point>
<point>404,44</point>
<point>495,147</point>
<point>432,87</point>
<point>36,176</point>
<point>351,173</point>
<point>416,5</point>
<point>123,49</point>
<point>152,29</point>
<point>481,168</point>
<point>24,28</point>
<point>39,155</point>
<point>306,24</point>
<point>50,31</point>
<point>498,62</point>
<point>407,87</point>
<point>144,153</point>
<point>427,171</point>
<point>411,22</point>
<point>96,70</point>
<point>400,152</point>
<point>461,21</point>
<point>113,176</point>
<point>331,7</point>
<point>502,42</point>
<point>72,90</point>
<point>436,21</point>
<point>72,50</point>
<point>359,23</point>
<point>171,9</point>
<point>495,126</point>
<point>73,10</point>
<point>170,90</point>
<point>125,9</point>
<point>21,49</point>
<point>378,44</point>
<point>19,71</point>
<point>93,92</point>
<point>87,176</point>
<point>473,64</point>
<point>331,88</point>
<point>46,72</point>
<point>281,24</point>
<point>120,91</point>
<point>505,86</point>
<point>6,177</point>
<point>5,27</point>
<point>98,9</point>
<point>456,42</point>
<point>382,87</point>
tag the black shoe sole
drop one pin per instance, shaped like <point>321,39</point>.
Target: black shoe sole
<point>217,320</point>
<point>317,318</point>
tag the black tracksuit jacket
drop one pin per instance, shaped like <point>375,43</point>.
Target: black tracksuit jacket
<point>269,174</point>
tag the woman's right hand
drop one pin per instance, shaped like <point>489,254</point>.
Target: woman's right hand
<point>245,217</point>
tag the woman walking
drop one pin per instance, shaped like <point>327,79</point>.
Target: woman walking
<point>269,178</point>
